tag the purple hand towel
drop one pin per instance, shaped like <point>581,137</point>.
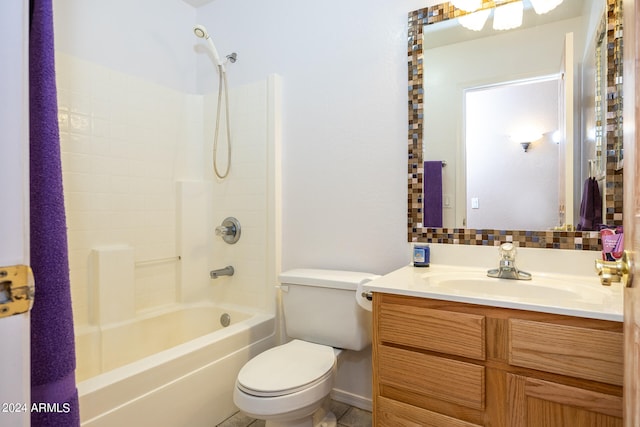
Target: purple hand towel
<point>54,395</point>
<point>597,204</point>
<point>432,198</point>
<point>590,206</point>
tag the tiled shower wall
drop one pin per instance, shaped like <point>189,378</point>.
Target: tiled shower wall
<point>119,137</point>
<point>243,197</point>
<point>126,142</point>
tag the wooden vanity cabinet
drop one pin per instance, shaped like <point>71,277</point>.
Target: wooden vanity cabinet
<point>441,363</point>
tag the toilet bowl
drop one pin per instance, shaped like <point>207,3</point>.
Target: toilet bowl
<point>289,385</point>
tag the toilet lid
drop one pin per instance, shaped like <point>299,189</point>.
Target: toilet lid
<point>286,369</point>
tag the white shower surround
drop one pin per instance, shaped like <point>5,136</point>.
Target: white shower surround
<point>136,165</point>
<point>138,184</point>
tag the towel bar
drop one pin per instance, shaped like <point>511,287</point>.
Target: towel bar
<point>158,260</point>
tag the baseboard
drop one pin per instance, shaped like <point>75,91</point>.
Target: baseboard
<point>352,399</point>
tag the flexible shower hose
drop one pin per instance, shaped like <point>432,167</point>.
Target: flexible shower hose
<point>222,81</point>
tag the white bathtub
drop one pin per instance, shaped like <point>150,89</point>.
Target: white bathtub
<point>171,368</point>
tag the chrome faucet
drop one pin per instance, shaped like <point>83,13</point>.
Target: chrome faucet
<point>227,271</point>
<point>508,269</point>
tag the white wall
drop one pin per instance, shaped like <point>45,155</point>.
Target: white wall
<point>343,66</point>
<point>149,39</point>
<point>515,190</point>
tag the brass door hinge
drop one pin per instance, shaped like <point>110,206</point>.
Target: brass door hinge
<point>17,289</point>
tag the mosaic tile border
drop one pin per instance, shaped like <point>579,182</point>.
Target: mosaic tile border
<point>576,240</point>
<point>613,193</point>
<point>586,240</point>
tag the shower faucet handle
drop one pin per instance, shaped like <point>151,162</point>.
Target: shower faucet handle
<point>221,230</point>
<point>229,230</point>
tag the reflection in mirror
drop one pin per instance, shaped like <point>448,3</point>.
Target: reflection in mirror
<point>512,160</point>
<point>447,64</point>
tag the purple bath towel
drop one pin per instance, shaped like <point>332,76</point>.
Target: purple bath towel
<point>54,398</point>
<point>432,198</point>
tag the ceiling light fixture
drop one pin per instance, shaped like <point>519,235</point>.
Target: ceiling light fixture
<point>506,16</point>
<point>468,5</point>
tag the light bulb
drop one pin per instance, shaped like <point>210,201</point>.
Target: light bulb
<point>467,5</point>
<point>508,16</point>
<point>544,6</point>
<point>475,21</point>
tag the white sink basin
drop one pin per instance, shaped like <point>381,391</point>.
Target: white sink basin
<point>536,290</point>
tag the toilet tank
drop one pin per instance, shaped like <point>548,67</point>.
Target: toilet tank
<point>320,306</point>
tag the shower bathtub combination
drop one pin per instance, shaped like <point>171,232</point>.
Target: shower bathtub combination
<point>144,359</point>
<point>173,367</point>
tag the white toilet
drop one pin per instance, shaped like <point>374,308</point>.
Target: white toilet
<point>289,385</point>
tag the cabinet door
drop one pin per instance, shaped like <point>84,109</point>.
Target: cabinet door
<point>533,402</point>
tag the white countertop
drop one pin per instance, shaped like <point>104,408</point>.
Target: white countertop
<point>581,296</point>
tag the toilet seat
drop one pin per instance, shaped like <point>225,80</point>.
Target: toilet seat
<point>287,369</point>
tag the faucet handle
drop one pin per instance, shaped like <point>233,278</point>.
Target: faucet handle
<point>507,251</point>
<point>229,230</point>
<point>221,230</point>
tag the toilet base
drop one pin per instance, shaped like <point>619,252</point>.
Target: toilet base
<point>320,418</point>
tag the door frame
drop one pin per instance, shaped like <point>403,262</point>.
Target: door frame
<point>14,214</point>
<point>631,220</point>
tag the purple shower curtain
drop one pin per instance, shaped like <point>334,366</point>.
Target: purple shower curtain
<point>54,397</point>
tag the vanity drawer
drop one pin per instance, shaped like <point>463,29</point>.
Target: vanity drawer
<point>391,413</point>
<point>448,380</point>
<point>567,350</point>
<point>454,333</point>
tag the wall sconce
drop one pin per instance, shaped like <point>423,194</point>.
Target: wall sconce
<point>526,138</point>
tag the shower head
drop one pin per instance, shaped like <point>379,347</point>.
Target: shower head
<point>201,32</point>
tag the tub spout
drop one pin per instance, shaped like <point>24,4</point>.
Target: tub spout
<point>227,271</point>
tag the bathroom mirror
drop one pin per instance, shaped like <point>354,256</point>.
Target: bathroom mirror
<point>435,37</point>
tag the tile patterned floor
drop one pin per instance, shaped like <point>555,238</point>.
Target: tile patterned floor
<point>348,416</point>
